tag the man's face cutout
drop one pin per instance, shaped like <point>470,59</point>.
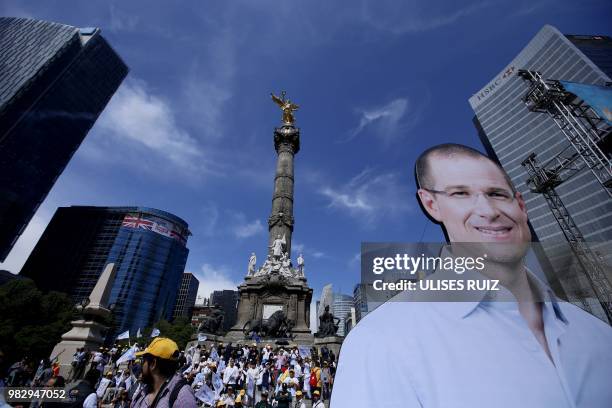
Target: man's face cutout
<point>467,197</point>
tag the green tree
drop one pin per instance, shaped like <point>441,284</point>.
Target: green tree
<point>32,323</point>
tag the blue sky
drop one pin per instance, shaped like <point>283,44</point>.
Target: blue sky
<point>377,81</point>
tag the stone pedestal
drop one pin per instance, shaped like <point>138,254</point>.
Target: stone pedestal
<point>211,340</point>
<point>333,343</point>
<point>89,331</point>
<point>262,295</point>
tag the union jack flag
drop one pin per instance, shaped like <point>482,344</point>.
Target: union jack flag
<point>156,225</point>
<point>137,222</point>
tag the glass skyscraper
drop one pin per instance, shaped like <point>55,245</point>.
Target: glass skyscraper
<point>341,308</point>
<point>186,297</point>
<point>148,247</point>
<point>510,133</point>
<point>55,80</point>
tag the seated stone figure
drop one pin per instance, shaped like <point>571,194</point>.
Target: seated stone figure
<point>328,324</point>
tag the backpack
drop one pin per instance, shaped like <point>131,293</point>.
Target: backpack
<point>175,391</point>
<point>173,394</point>
<point>313,379</point>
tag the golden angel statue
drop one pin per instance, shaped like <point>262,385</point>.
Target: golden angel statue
<point>287,106</point>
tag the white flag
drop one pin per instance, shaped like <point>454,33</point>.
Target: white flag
<point>304,351</point>
<point>217,384</point>
<point>214,356</point>
<point>206,395</point>
<point>138,333</point>
<point>128,355</point>
<point>201,337</point>
<point>124,335</point>
<point>251,387</point>
<point>155,332</point>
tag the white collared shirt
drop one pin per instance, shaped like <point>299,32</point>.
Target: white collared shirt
<point>474,354</point>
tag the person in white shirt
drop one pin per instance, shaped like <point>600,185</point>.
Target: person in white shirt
<point>299,400</point>
<point>532,351</point>
<point>307,376</point>
<point>292,383</point>
<point>230,374</point>
<point>317,403</point>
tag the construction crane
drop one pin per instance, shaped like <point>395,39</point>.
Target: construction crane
<point>586,132</point>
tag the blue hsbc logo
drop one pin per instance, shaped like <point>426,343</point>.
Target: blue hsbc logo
<point>495,84</point>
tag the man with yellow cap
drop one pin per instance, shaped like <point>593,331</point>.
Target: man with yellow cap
<point>316,400</point>
<point>299,400</point>
<point>164,387</point>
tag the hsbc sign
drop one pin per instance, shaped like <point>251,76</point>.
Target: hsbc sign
<point>492,86</point>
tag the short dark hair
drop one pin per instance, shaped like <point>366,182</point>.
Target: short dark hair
<point>167,368</point>
<point>422,170</point>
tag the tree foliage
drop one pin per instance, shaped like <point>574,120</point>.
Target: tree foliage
<point>32,323</point>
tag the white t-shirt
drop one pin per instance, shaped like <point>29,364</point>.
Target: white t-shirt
<point>230,375</point>
<point>91,401</point>
<point>289,381</point>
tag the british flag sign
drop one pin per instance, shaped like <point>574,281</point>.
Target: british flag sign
<point>155,224</point>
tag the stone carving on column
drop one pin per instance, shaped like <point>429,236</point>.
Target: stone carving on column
<point>277,246</point>
<point>252,262</point>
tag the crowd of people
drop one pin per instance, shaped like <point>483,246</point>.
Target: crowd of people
<point>255,376</point>
<point>213,375</point>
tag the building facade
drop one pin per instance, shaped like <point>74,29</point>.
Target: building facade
<point>341,308</point>
<point>360,301</point>
<point>200,312</point>
<point>510,133</point>
<point>186,297</point>
<point>148,247</point>
<point>227,301</point>
<point>55,82</point>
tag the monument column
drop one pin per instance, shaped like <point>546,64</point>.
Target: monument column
<point>287,144</point>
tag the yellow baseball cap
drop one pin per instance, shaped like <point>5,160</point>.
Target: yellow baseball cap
<point>163,348</point>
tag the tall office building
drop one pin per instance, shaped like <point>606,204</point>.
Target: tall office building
<point>327,299</point>
<point>186,297</point>
<point>341,308</point>
<point>55,81</point>
<point>227,301</point>
<point>148,247</point>
<point>360,301</point>
<point>510,133</point>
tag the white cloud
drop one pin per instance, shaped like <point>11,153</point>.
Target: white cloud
<point>369,196</point>
<point>386,118</point>
<point>412,16</point>
<point>299,248</point>
<point>214,278</point>
<point>136,114</point>
<point>26,242</point>
<point>389,121</point>
<point>355,259</point>
<point>121,21</point>
<point>249,229</point>
<point>139,130</point>
<point>209,217</point>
